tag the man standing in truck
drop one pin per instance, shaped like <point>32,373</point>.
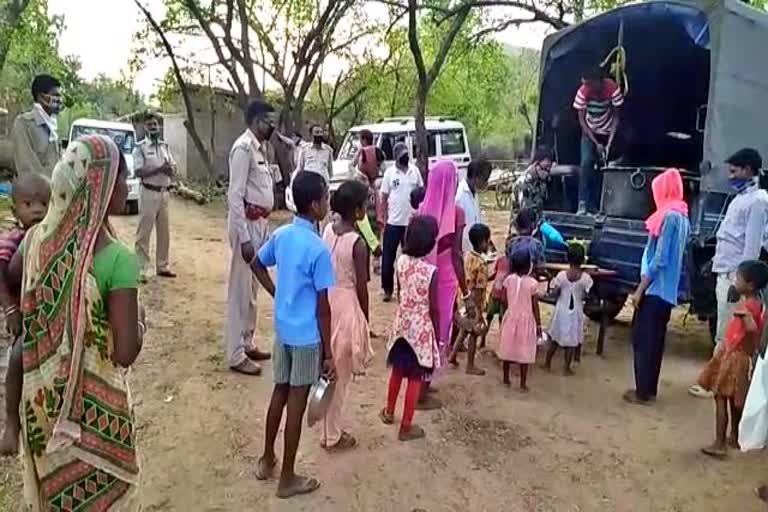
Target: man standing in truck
<point>34,134</point>
<point>598,102</point>
<point>740,237</point>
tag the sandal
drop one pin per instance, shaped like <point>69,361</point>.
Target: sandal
<point>386,418</point>
<point>715,452</point>
<point>265,469</point>
<point>415,432</point>
<point>346,442</point>
<point>630,396</point>
<point>305,485</point>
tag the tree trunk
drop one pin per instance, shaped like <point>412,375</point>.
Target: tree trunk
<point>10,16</point>
<point>422,146</point>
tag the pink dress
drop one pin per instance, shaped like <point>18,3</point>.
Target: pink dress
<point>518,329</point>
<point>350,337</point>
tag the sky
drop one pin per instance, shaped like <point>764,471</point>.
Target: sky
<point>104,47</point>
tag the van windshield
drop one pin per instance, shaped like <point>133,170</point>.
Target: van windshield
<point>351,145</point>
<point>124,139</point>
<point>452,142</point>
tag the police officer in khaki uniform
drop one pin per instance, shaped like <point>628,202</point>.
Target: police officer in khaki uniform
<point>250,199</point>
<point>34,133</point>
<point>155,167</point>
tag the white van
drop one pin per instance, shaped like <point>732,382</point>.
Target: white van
<point>124,136</point>
<point>447,139</point>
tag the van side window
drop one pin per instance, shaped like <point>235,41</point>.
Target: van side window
<point>388,141</point>
<point>431,144</point>
<point>452,142</point>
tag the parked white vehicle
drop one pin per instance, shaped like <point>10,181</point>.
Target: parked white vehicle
<point>447,139</point>
<point>124,136</point>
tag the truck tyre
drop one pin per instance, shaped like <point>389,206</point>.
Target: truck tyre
<point>613,306</point>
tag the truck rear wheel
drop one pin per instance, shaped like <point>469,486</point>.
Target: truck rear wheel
<point>612,307</point>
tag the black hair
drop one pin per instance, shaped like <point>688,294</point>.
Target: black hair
<point>420,236</point>
<point>478,234</point>
<point>29,183</point>
<point>477,168</point>
<point>542,153</point>
<point>151,116</point>
<point>576,254</point>
<point>754,272</point>
<point>313,126</point>
<point>367,136</point>
<point>747,157</point>
<point>43,84</point>
<point>417,196</point>
<point>257,109</point>
<point>350,196</point>
<point>593,73</point>
<point>525,220</point>
<point>520,261</point>
<point>307,188</point>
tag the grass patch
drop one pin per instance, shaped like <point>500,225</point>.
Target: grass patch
<point>10,485</point>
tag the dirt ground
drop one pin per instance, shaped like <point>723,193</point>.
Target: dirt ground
<point>571,444</point>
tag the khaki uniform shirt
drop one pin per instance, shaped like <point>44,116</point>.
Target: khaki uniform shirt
<point>152,155</point>
<point>250,181</point>
<point>33,150</point>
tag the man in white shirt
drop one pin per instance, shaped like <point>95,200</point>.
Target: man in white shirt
<point>396,186</point>
<point>317,156</point>
<point>467,197</point>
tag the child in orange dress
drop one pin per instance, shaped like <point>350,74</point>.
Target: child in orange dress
<point>348,298</point>
<point>413,353</point>
<point>728,373</point>
<point>521,325</point>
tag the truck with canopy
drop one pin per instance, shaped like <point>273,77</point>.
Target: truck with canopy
<point>696,91</point>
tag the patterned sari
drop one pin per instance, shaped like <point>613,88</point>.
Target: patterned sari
<point>78,433</point>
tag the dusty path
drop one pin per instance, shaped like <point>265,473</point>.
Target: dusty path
<point>569,445</point>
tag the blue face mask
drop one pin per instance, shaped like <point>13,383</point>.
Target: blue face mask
<point>740,184</point>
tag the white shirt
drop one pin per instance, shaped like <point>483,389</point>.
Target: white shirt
<point>397,185</point>
<point>470,203</point>
<point>314,159</point>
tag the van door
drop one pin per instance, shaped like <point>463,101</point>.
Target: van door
<point>431,146</point>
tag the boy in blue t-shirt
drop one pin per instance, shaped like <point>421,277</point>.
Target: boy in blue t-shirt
<point>302,324</point>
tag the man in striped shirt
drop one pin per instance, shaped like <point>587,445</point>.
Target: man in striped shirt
<point>597,102</point>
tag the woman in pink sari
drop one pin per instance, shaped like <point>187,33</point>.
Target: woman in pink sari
<point>440,203</point>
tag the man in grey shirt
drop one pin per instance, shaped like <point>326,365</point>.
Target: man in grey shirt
<point>740,236</point>
<point>34,134</point>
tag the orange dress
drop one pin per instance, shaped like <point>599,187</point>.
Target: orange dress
<point>729,371</point>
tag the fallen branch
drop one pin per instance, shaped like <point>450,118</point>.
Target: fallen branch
<point>188,193</point>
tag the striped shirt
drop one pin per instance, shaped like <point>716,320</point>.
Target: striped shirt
<point>599,105</point>
<point>9,243</point>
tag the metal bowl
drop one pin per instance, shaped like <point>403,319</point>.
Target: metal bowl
<point>320,396</point>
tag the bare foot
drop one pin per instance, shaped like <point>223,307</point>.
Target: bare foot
<point>475,371</point>
<point>453,362</point>
<point>346,442</point>
<point>568,372</point>
<point>429,403</point>
<point>506,383</point>
<point>733,442</point>
<point>524,389</point>
<point>296,486</point>
<point>9,444</point>
<point>546,367</point>
<point>265,468</point>
<point>386,417</point>
<point>717,451</point>
<point>762,493</point>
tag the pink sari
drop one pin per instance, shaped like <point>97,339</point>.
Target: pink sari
<point>440,203</point>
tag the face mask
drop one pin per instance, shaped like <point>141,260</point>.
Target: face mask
<point>403,161</point>
<point>739,184</point>
<point>317,139</point>
<point>154,132</point>
<point>53,103</point>
<point>268,131</point>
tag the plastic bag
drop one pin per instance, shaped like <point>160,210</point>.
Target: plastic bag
<point>753,429</point>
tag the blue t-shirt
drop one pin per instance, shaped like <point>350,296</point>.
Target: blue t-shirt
<point>304,268</point>
<point>664,257</point>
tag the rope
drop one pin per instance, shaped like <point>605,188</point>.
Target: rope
<point>618,68</point>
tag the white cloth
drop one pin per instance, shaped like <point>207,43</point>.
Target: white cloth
<point>470,203</point>
<point>397,185</point>
<point>567,326</point>
<point>50,121</point>
<point>753,428</point>
<point>724,308</point>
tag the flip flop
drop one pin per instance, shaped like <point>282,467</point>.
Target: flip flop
<point>247,367</point>
<point>715,453</point>
<point>630,396</point>
<point>307,485</point>
<point>475,371</point>
<point>257,355</point>
<point>413,433</point>
<point>346,442</point>
<point>386,418</point>
<point>262,472</point>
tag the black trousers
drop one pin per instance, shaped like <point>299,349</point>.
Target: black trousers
<point>393,238</point>
<point>649,329</point>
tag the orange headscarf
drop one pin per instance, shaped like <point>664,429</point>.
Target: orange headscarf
<point>667,190</point>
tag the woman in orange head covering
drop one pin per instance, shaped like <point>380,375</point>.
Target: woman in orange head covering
<point>660,273</point>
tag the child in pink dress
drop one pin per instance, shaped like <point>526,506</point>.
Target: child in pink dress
<point>413,352</point>
<point>521,324</point>
<point>349,305</point>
